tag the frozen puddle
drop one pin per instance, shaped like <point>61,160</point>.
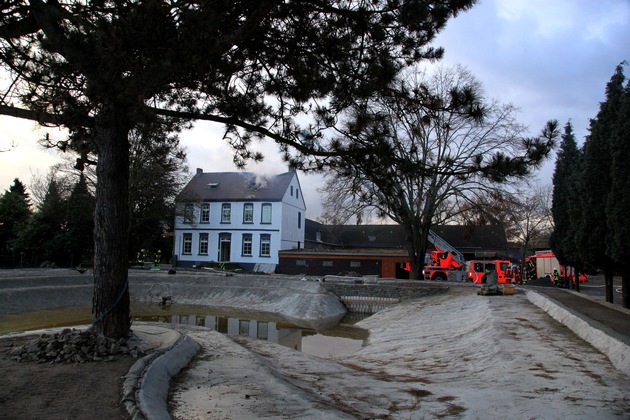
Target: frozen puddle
<point>335,341</point>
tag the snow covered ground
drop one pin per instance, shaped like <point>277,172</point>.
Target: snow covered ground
<point>456,355</point>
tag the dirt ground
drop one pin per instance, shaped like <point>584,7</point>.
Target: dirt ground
<point>60,391</point>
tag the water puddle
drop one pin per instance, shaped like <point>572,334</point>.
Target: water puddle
<point>339,340</point>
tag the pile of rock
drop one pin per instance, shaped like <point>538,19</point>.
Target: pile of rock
<point>73,346</point>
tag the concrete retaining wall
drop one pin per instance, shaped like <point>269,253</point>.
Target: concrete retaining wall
<point>377,294</point>
<point>303,303</point>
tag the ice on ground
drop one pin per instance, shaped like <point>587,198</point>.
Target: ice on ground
<point>455,355</point>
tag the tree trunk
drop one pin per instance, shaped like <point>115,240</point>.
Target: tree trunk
<point>110,310</point>
<point>608,281</point>
<point>416,248</point>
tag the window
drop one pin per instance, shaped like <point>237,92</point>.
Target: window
<point>266,213</point>
<point>355,264</point>
<point>226,213</point>
<point>300,262</point>
<point>265,245</point>
<point>247,244</point>
<point>205,213</point>
<point>243,327</point>
<point>203,244</point>
<point>297,193</point>
<point>248,213</point>
<point>187,244</point>
<point>263,330</point>
<point>291,190</point>
<point>189,212</point>
<point>327,263</point>
<point>299,220</point>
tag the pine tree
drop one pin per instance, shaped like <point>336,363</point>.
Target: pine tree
<point>79,238</point>
<point>42,237</point>
<point>618,208</point>
<point>15,210</point>
<point>566,204</point>
<point>103,68</point>
<point>596,182</point>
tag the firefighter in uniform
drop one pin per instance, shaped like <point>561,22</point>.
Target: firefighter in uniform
<point>157,259</point>
<point>140,257</point>
<point>530,271</point>
<point>556,277</point>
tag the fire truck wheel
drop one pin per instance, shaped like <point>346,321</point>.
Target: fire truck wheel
<point>439,277</point>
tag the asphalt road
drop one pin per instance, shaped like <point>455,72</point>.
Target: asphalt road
<point>595,287</point>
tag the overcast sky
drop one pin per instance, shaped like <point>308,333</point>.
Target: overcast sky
<point>551,59</point>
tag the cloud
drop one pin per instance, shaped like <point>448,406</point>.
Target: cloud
<point>551,59</point>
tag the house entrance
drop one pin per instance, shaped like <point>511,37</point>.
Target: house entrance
<point>225,241</point>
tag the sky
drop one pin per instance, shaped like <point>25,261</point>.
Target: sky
<point>550,59</point>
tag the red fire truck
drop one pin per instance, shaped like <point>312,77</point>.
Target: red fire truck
<point>478,271</point>
<point>543,263</point>
<point>441,265</point>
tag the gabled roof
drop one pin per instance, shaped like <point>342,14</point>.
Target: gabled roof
<point>236,186</point>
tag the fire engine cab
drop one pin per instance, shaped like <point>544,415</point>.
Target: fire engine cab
<point>479,270</point>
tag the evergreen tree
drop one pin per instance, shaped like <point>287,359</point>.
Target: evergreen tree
<point>596,182</point>
<point>42,238</point>
<point>566,208</point>
<point>618,209</point>
<point>157,172</point>
<point>80,223</point>
<point>255,66</point>
<point>15,210</point>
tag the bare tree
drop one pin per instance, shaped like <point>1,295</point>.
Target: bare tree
<point>435,144</point>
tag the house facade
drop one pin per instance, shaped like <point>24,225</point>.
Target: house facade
<point>238,217</point>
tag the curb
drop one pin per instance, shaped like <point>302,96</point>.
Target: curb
<point>145,390</point>
<point>601,337</point>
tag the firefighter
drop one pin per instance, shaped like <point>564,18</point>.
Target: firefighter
<point>157,259</point>
<point>140,257</point>
<point>530,271</point>
<point>556,277</point>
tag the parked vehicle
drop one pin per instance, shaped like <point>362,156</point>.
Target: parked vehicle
<point>447,263</point>
<point>543,263</point>
<point>441,265</point>
<point>479,270</point>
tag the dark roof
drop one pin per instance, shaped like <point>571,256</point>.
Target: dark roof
<point>471,238</point>
<point>235,186</point>
<point>464,238</point>
<point>368,236</point>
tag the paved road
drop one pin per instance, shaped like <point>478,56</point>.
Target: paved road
<point>595,287</point>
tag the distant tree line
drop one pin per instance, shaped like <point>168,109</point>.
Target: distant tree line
<point>591,192</point>
<point>59,227</point>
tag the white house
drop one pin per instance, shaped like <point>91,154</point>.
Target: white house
<point>238,217</point>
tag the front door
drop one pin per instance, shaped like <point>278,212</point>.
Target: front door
<point>224,247</point>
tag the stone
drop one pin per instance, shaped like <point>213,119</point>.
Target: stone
<point>71,346</point>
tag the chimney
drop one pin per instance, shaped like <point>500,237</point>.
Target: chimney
<point>199,171</point>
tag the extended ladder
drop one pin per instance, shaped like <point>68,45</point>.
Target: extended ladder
<point>444,246</point>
